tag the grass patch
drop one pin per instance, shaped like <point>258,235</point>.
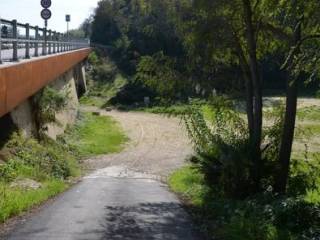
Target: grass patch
<point>101,92</point>
<point>96,135</point>
<point>170,110</point>
<point>263,217</point>
<point>48,163</point>
<point>14,201</point>
<point>188,182</point>
<point>92,101</point>
<point>51,163</point>
<point>309,113</point>
<point>309,130</point>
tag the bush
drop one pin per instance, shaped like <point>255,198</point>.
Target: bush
<point>158,72</point>
<point>38,161</point>
<point>261,217</point>
<point>104,72</point>
<point>47,103</point>
<point>304,175</point>
<point>222,153</point>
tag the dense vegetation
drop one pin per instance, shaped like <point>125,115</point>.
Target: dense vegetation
<point>33,170</point>
<point>182,49</point>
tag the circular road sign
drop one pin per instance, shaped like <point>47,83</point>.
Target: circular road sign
<point>46,3</point>
<point>46,14</point>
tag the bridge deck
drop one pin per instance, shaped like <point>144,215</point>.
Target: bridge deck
<point>21,80</point>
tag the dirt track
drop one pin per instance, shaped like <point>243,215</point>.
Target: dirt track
<point>157,146</point>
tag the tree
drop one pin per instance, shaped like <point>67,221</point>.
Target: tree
<point>239,38</point>
<point>296,26</point>
<point>86,27</point>
<point>252,30</point>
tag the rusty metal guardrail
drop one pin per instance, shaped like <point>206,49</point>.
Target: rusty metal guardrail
<point>22,41</point>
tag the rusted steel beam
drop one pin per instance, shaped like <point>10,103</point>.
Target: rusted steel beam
<point>20,81</point>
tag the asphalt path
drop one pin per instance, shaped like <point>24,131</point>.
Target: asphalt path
<point>115,202</point>
<point>104,207</point>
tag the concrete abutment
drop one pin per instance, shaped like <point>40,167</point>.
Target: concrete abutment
<point>72,84</point>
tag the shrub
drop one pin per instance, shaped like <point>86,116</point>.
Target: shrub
<point>221,152</point>
<point>39,161</point>
<point>46,104</point>
<point>104,73</point>
<point>93,58</point>
<point>158,72</point>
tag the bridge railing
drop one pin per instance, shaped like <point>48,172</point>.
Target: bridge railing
<point>22,41</point>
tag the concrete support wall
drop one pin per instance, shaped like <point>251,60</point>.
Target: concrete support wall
<point>22,117</point>
<point>66,84</point>
<point>72,83</point>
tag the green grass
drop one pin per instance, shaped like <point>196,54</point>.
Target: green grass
<point>92,101</point>
<point>14,201</point>
<point>189,183</point>
<point>96,135</point>
<point>50,163</point>
<point>101,92</point>
<point>262,217</point>
<point>309,130</point>
<point>170,110</point>
<point>309,113</point>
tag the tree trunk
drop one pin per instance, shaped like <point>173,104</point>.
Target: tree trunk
<point>248,85</point>
<point>257,92</point>
<point>287,136</point>
<point>290,119</point>
<point>249,107</point>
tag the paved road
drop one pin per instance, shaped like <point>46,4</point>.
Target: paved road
<point>110,208</point>
<point>6,55</point>
<point>118,203</point>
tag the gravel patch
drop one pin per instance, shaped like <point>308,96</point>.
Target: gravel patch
<point>158,145</point>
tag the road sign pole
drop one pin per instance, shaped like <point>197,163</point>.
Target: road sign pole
<point>45,14</point>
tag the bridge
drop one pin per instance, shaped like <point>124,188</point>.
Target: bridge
<point>32,58</point>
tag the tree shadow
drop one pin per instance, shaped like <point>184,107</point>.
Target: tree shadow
<point>7,127</point>
<point>165,221</point>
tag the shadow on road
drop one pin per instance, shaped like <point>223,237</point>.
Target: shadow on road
<point>149,221</point>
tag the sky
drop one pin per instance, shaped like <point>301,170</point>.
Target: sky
<point>28,11</point>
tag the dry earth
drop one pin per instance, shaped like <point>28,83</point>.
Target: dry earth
<point>158,145</point>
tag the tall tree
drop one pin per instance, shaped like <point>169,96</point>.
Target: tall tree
<point>239,37</point>
<point>297,26</point>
